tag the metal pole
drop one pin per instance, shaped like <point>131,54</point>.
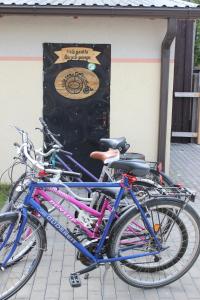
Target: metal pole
<point>164,88</point>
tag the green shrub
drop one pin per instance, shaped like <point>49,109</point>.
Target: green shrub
<point>4,191</point>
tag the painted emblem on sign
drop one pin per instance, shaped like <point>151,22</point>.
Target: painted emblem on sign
<point>77,83</point>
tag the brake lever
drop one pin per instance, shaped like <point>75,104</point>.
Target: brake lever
<point>16,145</point>
<point>19,130</point>
<point>37,128</point>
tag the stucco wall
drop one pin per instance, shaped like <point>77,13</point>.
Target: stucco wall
<point>135,74</point>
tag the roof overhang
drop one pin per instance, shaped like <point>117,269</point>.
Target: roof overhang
<point>140,11</point>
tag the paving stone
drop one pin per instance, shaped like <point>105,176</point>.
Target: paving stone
<point>136,293</point>
<point>94,285</point>
<point>151,294</point>
<point>164,292</point>
<point>52,291</point>
<point>25,292</point>
<point>54,278</point>
<point>81,292</point>
<point>67,295</point>
<point>40,284</point>
<point>95,296</point>
<point>38,295</point>
<point>191,291</point>
<point>123,295</point>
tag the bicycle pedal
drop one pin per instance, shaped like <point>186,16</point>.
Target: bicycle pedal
<point>75,280</point>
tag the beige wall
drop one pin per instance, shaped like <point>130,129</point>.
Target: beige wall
<point>135,74</point>
<point>137,99</point>
<point>21,105</point>
<point>130,37</point>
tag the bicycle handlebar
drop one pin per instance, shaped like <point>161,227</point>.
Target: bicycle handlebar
<point>24,149</point>
<point>61,172</point>
<point>55,148</point>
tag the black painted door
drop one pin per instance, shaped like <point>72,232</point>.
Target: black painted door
<point>77,97</point>
<point>183,69</point>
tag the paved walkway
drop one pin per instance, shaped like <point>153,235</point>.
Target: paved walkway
<point>51,278</point>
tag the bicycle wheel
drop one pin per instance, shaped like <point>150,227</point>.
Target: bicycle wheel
<point>15,276</point>
<point>171,218</point>
<point>131,237</point>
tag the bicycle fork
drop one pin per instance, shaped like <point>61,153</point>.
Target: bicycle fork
<point>23,219</point>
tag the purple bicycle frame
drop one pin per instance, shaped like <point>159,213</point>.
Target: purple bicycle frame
<point>99,215</point>
<point>68,215</point>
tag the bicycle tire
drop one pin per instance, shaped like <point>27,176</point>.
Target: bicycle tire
<point>178,256</point>
<point>22,274</point>
<point>154,279</point>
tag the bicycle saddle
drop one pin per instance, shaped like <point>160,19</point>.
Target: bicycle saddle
<point>136,167</point>
<point>114,143</point>
<point>107,156</point>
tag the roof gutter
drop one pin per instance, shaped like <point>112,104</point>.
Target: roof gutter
<point>140,11</point>
<point>164,88</point>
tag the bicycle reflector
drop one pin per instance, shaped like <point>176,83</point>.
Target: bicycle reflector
<point>156,227</point>
<point>42,173</point>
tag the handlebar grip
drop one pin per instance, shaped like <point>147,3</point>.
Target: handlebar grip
<point>16,145</point>
<point>37,128</point>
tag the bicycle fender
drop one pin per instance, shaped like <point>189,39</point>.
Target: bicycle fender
<point>11,214</point>
<point>39,224</point>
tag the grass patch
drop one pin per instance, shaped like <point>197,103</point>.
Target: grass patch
<point>4,191</point>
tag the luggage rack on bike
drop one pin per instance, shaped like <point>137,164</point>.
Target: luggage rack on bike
<point>181,193</point>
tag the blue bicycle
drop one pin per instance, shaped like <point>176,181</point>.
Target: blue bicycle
<point>150,236</point>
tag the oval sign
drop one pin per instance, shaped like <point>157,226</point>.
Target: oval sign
<point>76,83</point>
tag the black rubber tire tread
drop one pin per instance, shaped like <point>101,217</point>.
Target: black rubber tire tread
<point>129,215</point>
<point>13,216</point>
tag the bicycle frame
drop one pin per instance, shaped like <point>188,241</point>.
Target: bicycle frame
<point>68,235</point>
<point>68,155</point>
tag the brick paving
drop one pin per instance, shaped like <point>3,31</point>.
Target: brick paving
<point>51,278</point>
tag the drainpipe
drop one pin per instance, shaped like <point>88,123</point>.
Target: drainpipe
<point>164,88</point>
